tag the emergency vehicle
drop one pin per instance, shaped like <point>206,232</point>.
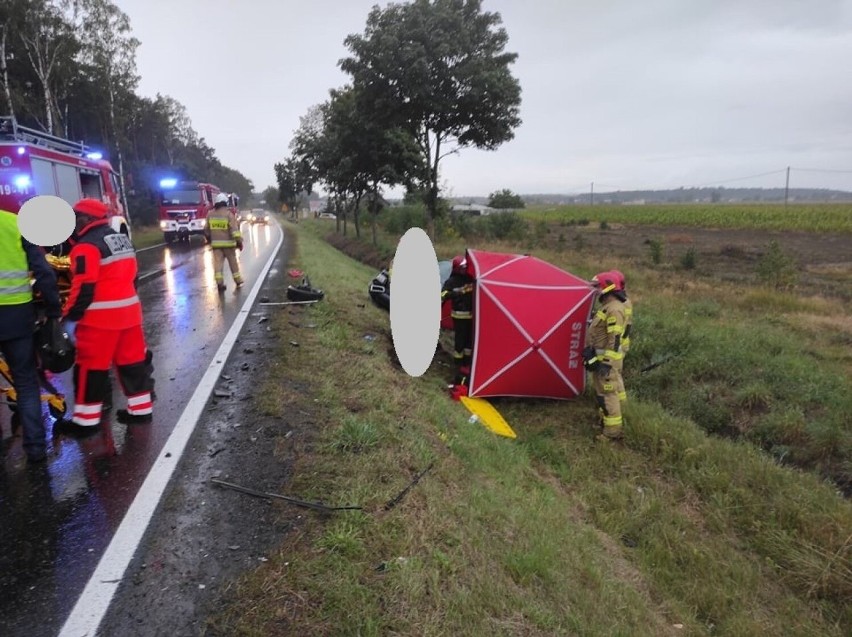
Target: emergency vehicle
<point>35,163</point>
<point>183,208</point>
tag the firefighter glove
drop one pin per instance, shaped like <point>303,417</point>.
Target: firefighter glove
<point>240,245</point>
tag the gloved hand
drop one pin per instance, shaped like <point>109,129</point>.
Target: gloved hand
<point>70,328</point>
<point>590,359</point>
<point>240,246</point>
<point>592,364</point>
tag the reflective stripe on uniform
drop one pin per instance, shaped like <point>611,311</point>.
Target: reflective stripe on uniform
<point>223,244</point>
<point>610,354</point>
<point>461,315</point>
<point>14,268</point>
<point>118,257</point>
<point>15,289</point>
<point>109,305</point>
<point>14,275</point>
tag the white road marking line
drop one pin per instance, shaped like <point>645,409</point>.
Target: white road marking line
<point>159,245</point>
<point>91,607</point>
<point>142,277</point>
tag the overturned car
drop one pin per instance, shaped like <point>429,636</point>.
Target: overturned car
<point>379,291</point>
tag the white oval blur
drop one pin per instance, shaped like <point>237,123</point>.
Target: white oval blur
<point>46,220</point>
<point>415,302</point>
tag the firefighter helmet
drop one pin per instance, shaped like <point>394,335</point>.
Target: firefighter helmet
<point>92,208</point>
<point>221,198</point>
<point>459,265</point>
<point>606,282</point>
<point>619,279</point>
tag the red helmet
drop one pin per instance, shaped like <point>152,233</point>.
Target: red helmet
<point>619,279</point>
<point>91,207</point>
<point>459,265</point>
<point>606,282</point>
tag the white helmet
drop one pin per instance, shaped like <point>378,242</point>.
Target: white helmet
<point>221,198</point>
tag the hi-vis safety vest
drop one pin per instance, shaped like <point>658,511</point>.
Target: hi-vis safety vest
<point>223,229</point>
<point>15,286</point>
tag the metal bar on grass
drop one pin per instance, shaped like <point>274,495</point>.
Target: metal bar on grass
<point>261,494</point>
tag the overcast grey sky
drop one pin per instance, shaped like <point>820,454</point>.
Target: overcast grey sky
<point>629,95</point>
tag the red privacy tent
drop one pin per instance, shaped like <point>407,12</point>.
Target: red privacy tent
<point>529,327</point>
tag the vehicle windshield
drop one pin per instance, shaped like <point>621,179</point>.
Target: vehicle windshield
<point>180,197</point>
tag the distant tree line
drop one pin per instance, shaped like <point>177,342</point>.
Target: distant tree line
<point>68,67</point>
<point>427,79</point>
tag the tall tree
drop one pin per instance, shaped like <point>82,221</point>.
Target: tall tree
<point>438,68</point>
<point>47,39</point>
<point>270,198</point>
<point>110,50</point>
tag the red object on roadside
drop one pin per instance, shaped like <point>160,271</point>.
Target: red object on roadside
<point>295,273</point>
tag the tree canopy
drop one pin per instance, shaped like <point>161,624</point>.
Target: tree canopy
<point>428,78</point>
<point>437,69</point>
<point>505,199</point>
<point>68,67</point>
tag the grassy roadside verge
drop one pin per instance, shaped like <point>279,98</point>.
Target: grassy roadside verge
<point>678,533</point>
<point>147,236</point>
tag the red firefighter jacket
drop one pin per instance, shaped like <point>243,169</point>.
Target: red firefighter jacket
<point>103,271</point>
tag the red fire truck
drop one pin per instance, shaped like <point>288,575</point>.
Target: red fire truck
<point>36,163</point>
<point>183,207</point>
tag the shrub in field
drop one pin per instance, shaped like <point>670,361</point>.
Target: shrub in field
<point>777,269</point>
<point>579,242</point>
<point>604,225</point>
<point>464,225</point>
<point>560,242</point>
<point>506,225</point>
<point>656,247</point>
<point>687,261</point>
<point>399,220</point>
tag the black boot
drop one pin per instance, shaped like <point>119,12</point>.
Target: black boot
<point>125,417</point>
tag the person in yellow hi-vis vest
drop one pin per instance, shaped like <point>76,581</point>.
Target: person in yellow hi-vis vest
<point>224,236</point>
<point>19,257</point>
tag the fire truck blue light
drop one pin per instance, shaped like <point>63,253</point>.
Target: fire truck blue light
<point>21,150</point>
<point>22,182</point>
<point>168,183</point>
<point>95,156</point>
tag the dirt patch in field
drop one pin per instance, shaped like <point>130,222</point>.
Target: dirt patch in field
<point>823,261</point>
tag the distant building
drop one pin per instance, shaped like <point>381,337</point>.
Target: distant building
<point>475,209</point>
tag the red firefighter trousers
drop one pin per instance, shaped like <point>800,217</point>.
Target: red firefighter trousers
<point>97,350</point>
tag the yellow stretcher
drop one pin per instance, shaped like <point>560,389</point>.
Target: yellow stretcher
<point>56,404</point>
<point>488,416</point>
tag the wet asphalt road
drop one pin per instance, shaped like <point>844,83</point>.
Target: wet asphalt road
<point>56,521</point>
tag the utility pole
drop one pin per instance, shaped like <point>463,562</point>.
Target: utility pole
<point>592,195</point>
<point>787,187</point>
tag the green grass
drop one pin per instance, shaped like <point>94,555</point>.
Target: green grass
<point>147,236</point>
<point>805,217</point>
<point>549,534</point>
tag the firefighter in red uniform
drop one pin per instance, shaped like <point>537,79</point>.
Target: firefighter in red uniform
<point>104,316</point>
